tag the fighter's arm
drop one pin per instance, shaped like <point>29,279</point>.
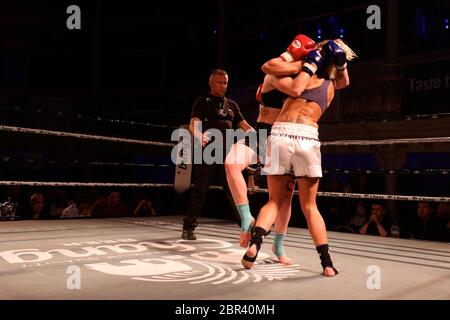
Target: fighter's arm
<point>342,79</point>
<point>338,56</point>
<point>245,126</point>
<point>289,61</point>
<point>295,87</point>
<point>278,67</point>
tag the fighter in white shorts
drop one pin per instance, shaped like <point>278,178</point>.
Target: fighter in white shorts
<point>271,101</point>
<point>294,146</point>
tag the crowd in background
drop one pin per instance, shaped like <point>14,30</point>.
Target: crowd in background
<point>59,203</point>
<point>411,219</point>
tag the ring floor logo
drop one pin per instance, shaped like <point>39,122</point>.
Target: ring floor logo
<point>209,261</point>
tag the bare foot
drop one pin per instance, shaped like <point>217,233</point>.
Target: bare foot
<point>282,259</point>
<point>285,260</point>
<point>251,252</point>
<point>244,239</point>
<point>329,272</point>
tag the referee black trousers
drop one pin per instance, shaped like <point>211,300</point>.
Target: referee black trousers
<point>204,175</point>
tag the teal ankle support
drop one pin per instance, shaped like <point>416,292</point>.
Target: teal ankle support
<point>246,217</point>
<point>278,244</point>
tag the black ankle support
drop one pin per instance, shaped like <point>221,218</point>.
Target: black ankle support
<point>257,238</point>
<point>325,259</point>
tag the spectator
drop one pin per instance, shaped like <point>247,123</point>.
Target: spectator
<point>78,209</point>
<point>377,224</point>
<point>111,207</point>
<point>59,200</point>
<point>35,209</point>
<point>14,194</point>
<point>144,208</point>
<point>425,225</point>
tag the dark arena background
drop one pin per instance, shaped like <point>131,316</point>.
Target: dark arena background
<point>91,93</point>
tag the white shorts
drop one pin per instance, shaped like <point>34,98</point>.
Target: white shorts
<point>293,148</point>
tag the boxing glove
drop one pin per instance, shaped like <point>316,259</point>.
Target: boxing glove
<point>313,61</point>
<point>298,49</point>
<point>333,52</point>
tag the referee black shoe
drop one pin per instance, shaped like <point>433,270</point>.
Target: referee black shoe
<point>188,235</point>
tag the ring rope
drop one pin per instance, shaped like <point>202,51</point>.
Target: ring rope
<point>98,118</point>
<point>385,142</point>
<point>7,158</point>
<point>166,144</point>
<point>360,195</point>
<point>389,171</point>
<point>80,116</point>
<point>146,124</point>
<point>84,136</point>
<point>258,190</point>
<point>125,164</point>
<point>404,118</point>
<point>85,184</point>
<point>443,171</point>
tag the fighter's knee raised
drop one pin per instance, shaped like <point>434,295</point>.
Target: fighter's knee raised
<point>231,167</point>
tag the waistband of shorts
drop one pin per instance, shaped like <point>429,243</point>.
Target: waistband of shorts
<point>295,130</point>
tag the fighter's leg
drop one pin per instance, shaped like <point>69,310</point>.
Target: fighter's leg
<point>282,222</point>
<point>239,157</point>
<point>266,217</point>
<point>316,226</point>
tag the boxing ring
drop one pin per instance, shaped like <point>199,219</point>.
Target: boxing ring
<point>144,258</point>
